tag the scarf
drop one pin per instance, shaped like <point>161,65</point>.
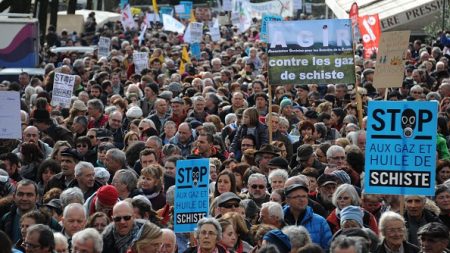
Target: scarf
<point>124,242</point>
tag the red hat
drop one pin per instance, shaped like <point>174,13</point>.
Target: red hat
<point>107,195</point>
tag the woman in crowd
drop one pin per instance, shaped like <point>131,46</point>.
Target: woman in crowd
<point>442,200</point>
<point>150,185</point>
<point>130,138</point>
<point>148,240</point>
<point>242,245</point>
<point>226,182</point>
<point>59,147</point>
<point>46,170</point>
<point>442,171</point>
<point>208,235</point>
<point>346,195</point>
<point>229,236</point>
<point>393,232</point>
<point>99,221</point>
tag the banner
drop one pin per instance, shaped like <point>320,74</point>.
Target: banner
<point>353,14</point>
<point>191,194</point>
<point>104,44</point>
<point>140,60</point>
<point>240,15</point>
<point>369,27</point>
<point>10,115</point>
<point>62,90</point>
<point>401,148</point>
<point>196,31</point>
<point>171,24</point>
<point>310,51</point>
<point>187,9</point>
<point>126,18</point>
<point>265,19</point>
<point>283,8</point>
<point>389,71</point>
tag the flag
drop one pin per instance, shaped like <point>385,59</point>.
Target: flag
<point>142,35</point>
<point>369,27</point>
<point>184,59</point>
<point>126,18</point>
<point>171,24</point>
<point>155,7</point>
<point>353,14</point>
<point>192,18</point>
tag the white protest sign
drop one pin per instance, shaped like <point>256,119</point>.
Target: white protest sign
<point>104,44</point>
<point>62,90</point>
<point>187,34</point>
<point>171,24</point>
<point>126,18</point>
<point>297,4</point>
<point>10,115</point>
<point>215,33</point>
<point>308,8</point>
<point>140,60</point>
<point>196,32</point>
<point>152,17</point>
<point>179,9</point>
<point>227,5</point>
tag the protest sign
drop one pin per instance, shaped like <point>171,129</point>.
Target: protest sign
<point>215,33</point>
<point>187,7</point>
<point>226,5</point>
<point>104,44</point>
<point>195,50</point>
<point>191,194</point>
<point>196,31</point>
<point>297,5</point>
<point>265,19</point>
<point>240,14</point>
<point>126,18</point>
<point>152,17</point>
<point>179,9</point>
<point>10,115</point>
<point>390,71</point>
<point>401,148</point>
<point>283,8</point>
<point>166,10</point>
<point>62,90</point>
<point>140,60</point>
<point>310,51</point>
<point>171,24</point>
<point>369,27</point>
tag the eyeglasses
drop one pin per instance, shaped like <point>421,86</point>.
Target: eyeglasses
<point>209,233</point>
<point>338,158</point>
<point>30,245</point>
<point>230,205</point>
<point>260,186</point>
<point>395,230</point>
<point>82,146</point>
<point>119,218</point>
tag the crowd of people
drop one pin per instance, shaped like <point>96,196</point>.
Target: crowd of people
<point>100,176</point>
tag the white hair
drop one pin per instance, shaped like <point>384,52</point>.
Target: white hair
<point>89,234</point>
<point>71,206</point>
<point>82,165</point>
<point>274,209</point>
<point>278,173</point>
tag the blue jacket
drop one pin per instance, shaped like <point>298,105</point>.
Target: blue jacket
<point>316,225</point>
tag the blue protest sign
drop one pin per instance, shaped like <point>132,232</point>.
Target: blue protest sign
<point>165,10</point>
<point>122,3</point>
<point>401,148</point>
<point>191,194</point>
<point>195,50</point>
<point>266,18</point>
<point>187,9</point>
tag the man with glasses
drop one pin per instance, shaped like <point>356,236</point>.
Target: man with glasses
<point>433,238</point>
<point>336,158</point>
<point>228,202</point>
<point>119,235</point>
<point>39,239</point>
<point>169,241</point>
<point>115,126</point>
<point>257,189</point>
<point>299,213</point>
